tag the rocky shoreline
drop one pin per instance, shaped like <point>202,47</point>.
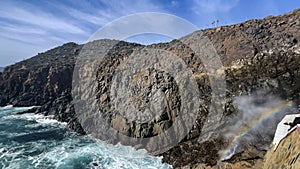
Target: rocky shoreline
<point>258,55</point>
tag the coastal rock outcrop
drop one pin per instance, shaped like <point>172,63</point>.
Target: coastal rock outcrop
<point>258,55</point>
<point>44,80</point>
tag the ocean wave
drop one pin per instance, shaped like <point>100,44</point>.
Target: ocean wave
<point>17,108</point>
<point>6,107</point>
<point>37,141</point>
<point>38,118</point>
<point>76,152</point>
<point>11,110</point>
<point>98,155</point>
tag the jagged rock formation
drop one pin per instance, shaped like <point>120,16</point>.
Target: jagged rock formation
<point>44,80</point>
<point>260,72</point>
<point>37,80</point>
<point>246,39</point>
<point>257,55</point>
<point>287,154</point>
<point>256,62</point>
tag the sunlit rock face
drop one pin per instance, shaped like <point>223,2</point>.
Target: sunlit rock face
<point>260,58</point>
<point>286,154</point>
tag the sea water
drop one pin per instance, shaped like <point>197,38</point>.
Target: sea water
<point>35,141</point>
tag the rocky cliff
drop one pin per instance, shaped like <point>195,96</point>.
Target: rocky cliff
<point>44,80</point>
<point>258,55</point>
<point>287,155</point>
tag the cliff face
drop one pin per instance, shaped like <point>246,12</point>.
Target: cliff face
<point>257,55</point>
<point>260,72</point>
<point>40,79</point>
<point>246,39</point>
<point>287,155</point>
<point>44,80</point>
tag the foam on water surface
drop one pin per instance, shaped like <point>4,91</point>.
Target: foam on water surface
<point>35,141</point>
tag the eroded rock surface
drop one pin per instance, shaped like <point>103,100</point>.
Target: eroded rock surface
<point>258,55</point>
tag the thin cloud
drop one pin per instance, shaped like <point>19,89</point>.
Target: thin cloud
<point>23,38</point>
<point>88,17</point>
<point>11,28</point>
<point>215,6</point>
<point>32,26</point>
<point>13,50</point>
<point>107,11</point>
<point>123,8</point>
<point>51,23</point>
<point>39,18</point>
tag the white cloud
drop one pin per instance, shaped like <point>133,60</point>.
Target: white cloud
<point>213,6</point>
<point>131,6</point>
<point>39,18</point>
<point>23,38</point>
<point>22,29</point>
<point>13,51</point>
<point>32,27</point>
<point>94,19</point>
<point>108,11</point>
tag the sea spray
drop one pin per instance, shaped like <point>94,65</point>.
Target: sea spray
<point>254,124</point>
<point>36,141</point>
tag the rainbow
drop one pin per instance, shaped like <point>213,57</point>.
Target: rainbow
<point>230,150</point>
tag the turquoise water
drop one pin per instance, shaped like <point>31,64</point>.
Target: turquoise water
<point>34,141</point>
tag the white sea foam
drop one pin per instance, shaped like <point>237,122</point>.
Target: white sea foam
<point>39,118</point>
<point>100,155</point>
<point>6,107</point>
<point>25,108</point>
<point>67,151</point>
<point>10,109</point>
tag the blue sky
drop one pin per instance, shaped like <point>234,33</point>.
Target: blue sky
<point>32,26</point>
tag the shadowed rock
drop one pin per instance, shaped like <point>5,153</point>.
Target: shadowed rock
<point>257,55</point>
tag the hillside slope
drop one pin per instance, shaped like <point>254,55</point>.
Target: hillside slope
<point>257,55</point>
